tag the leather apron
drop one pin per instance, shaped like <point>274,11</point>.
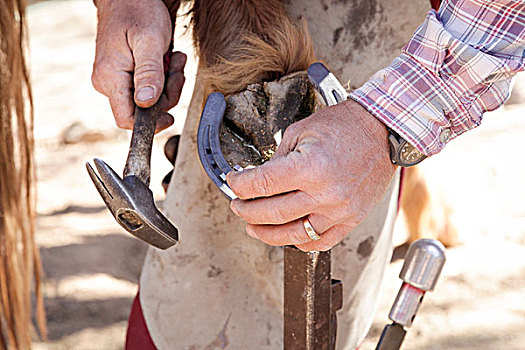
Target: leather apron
<point>219,288</point>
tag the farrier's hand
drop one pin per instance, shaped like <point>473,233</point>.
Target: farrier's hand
<point>132,37</point>
<point>333,167</point>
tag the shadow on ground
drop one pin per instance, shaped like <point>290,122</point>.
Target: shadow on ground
<point>117,255</point>
<point>66,316</point>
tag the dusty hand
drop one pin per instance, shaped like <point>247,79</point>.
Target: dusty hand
<point>333,167</point>
<point>132,37</point>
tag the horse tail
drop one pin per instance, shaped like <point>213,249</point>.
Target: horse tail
<point>20,266</point>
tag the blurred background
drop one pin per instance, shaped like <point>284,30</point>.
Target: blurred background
<point>92,267</point>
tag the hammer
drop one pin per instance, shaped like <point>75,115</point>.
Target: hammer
<point>423,264</point>
<point>129,199</point>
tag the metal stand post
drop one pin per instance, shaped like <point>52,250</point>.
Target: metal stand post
<point>311,299</point>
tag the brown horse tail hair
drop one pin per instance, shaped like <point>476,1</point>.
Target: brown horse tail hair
<point>20,267</point>
<point>241,42</point>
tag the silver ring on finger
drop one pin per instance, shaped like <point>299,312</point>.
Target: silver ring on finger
<point>310,230</point>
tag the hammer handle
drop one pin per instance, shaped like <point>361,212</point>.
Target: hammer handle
<point>139,156</point>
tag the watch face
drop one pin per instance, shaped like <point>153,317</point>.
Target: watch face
<point>410,155</point>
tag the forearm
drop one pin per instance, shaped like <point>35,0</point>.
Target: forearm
<point>456,66</point>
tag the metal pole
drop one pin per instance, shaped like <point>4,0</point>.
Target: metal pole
<point>311,299</point>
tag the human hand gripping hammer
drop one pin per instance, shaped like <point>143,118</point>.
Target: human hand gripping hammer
<point>129,199</point>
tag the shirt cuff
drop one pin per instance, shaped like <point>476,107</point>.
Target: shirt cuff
<point>409,99</point>
<point>437,88</point>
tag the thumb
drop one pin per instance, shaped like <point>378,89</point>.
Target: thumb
<point>149,72</point>
<point>290,139</point>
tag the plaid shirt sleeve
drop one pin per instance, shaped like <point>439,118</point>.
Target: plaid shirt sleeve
<point>458,64</point>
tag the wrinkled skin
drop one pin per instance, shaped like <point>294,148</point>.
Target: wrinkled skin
<point>132,37</point>
<point>333,167</point>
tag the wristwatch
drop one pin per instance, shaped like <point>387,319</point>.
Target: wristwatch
<point>402,153</point>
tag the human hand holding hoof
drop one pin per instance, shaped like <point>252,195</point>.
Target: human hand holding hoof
<point>332,167</point>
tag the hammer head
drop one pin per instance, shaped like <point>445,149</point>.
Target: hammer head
<point>131,203</point>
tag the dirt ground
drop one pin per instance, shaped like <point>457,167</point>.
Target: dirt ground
<point>92,267</point>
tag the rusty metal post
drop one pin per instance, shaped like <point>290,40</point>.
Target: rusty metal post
<point>311,299</point>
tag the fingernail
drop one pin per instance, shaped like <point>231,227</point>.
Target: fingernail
<point>145,93</point>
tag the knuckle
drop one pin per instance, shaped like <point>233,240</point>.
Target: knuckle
<point>318,165</point>
<point>323,163</point>
<point>123,122</point>
<point>291,130</point>
<point>150,69</point>
<point>97,76</point>
<point>296,236</point>
<point>262,183</point>
<point>279,214</point>
<point>103,71</point>
<point>101,67</point>
<point>96,82</point>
